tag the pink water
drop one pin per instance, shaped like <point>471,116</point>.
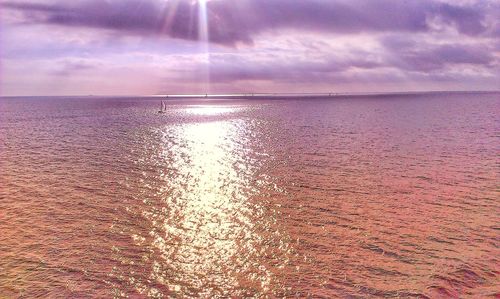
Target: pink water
<point>381,196</point>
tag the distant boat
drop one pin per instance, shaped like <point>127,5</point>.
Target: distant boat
<point>163,108</point>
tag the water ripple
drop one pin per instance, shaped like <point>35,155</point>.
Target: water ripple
<point>366,197</point>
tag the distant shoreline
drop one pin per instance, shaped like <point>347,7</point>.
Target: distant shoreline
<point>264,95</point>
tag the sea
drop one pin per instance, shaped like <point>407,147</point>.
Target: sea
<point>348,196</point>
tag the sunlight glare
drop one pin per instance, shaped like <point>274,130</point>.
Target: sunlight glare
<point>203,37</point>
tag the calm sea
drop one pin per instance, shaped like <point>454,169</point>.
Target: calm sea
<point>359,197</point>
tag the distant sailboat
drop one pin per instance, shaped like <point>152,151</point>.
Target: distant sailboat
<point>163,108</point>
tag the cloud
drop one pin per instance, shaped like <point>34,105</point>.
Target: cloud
<point>468,20</point>
<point>231,22</point>
<point>283,67</point>
<point>256,45</point>
<point>421,56</point>
<point>70,68</point>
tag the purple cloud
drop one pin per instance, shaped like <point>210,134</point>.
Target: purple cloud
<point>468,20</point>
<point>118,15</point>
<point>69,68</point>
<point>229,68</point>
<point>256,45</point>
<point>422,57</point>
<point>232,22</point>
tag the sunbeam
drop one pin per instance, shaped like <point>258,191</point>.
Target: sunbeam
<point>170,11</point>
<point>202,21</point>
<point>203,38</point>
<point>197,27</point>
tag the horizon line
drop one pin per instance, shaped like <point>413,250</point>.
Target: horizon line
<point>264,94</point>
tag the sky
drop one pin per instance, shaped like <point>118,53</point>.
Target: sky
<point>146,47</point>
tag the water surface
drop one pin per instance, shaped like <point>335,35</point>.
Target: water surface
<point>376,196</point>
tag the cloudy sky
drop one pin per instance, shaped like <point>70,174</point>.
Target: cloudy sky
<point>80,47</point>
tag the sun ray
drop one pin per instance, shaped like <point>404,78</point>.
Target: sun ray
<point>170,12</point>
<point>204,38</point>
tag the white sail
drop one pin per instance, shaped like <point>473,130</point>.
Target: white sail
<point>162,109</point>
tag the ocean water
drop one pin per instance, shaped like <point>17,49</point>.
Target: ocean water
<point>392,196</point>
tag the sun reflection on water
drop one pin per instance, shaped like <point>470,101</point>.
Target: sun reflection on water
<point>210,110</point>
<point>209,217</point>
<point>210,236</point>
